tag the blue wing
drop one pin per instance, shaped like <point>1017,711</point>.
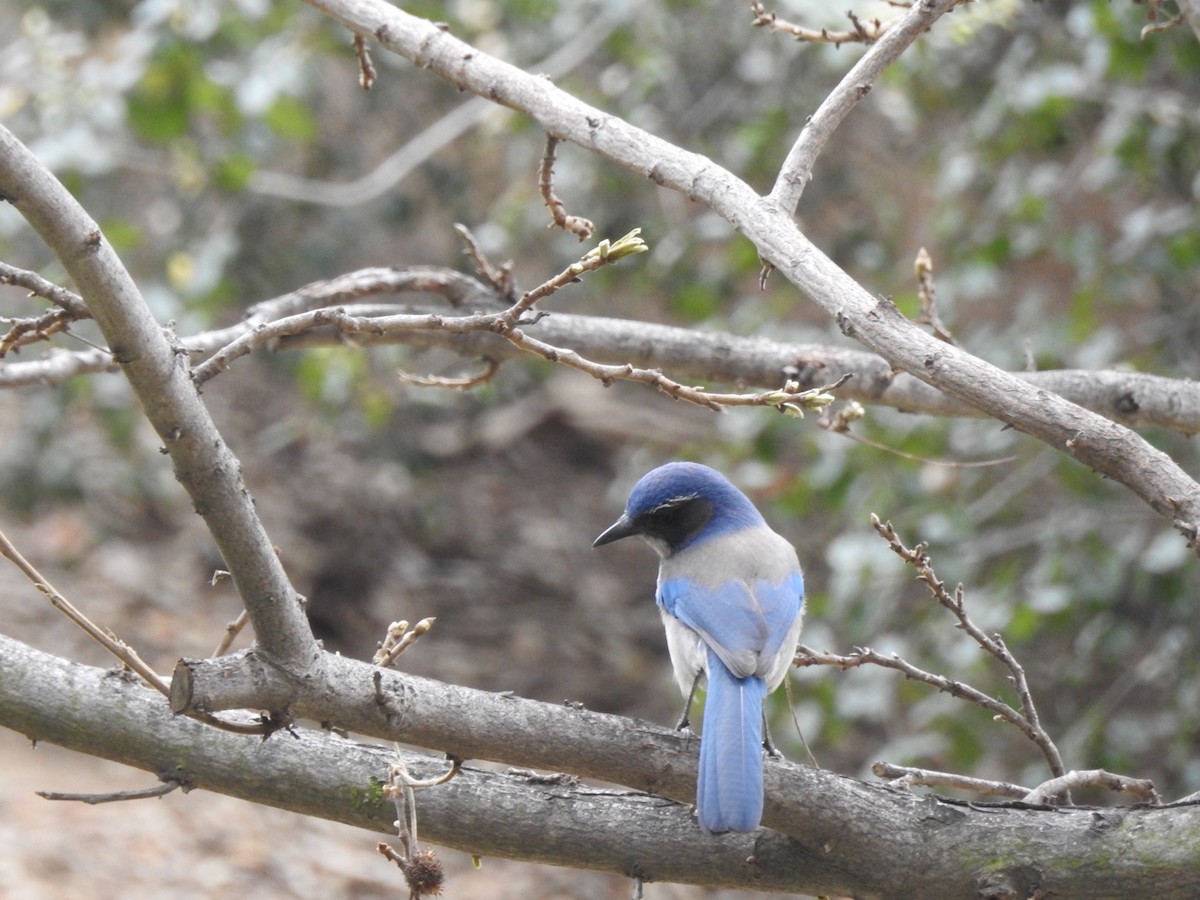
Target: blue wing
<point>742,623</point>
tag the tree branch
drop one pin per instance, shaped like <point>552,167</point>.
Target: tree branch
<point>901,845</point>
<point>1134,399</point>
<point>1110,449</point>
<point>159,375</point>
<point>797,168</point>
<point>445,130</point>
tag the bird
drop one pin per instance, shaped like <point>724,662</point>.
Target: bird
<point>731,595</point>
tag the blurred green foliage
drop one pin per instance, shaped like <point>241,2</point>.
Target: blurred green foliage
<point>1045,154</point>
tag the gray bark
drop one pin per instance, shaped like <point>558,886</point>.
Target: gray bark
<point>829,834</point>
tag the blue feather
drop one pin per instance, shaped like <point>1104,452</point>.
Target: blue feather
<point>729,788</point>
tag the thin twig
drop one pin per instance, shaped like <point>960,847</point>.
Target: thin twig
<point>1141,788</point>
<point>564,57</point>
<point>422,869</point>
<point>907,776</point>
<point>158,790</point>
<point>603,254</point>
<point>839,422</point>
<point>366,69</point>
<point>893,40</point>
<point>232,630</point>
<point>118,648</point>
<point>927,292</point>
<point>69,301</point>
<point>859,32</point>
<point>1027,720</point>
<point>864,656</point>
<point>31,331</point>
<point>498,279</point>
<point>580,227</point>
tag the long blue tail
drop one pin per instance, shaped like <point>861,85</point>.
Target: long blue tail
<point>729,791</point>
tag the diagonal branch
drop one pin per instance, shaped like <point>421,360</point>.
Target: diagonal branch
<point>1111,450</point>
<point>797,168</point>
<point>158,373</point>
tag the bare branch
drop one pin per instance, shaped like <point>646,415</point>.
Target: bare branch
<point>921,846</point>
<point>907,777</point>
<point>1141,788</point>
<point>578,226</point>
<point>1111,450</point>
<point>1131,398</point>
<point>31,331</point>
<point>892,41</point>
<point>430,141</point>
<point>1028,720</point>
<point>69,301</point>
<point>150,793</point>
<point>106,639</point>
<point>927,292</point>
<point>863,656</point>
<point>203,463</point>
<point>859,33</point>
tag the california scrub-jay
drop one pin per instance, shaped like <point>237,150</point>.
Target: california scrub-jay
<point>731,597</point>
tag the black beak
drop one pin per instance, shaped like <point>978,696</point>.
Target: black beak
<point>622,528</point>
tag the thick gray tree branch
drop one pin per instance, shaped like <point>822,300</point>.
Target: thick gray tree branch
<point>901,844</point>
<point>832,834</point>
<point>1110,449</point>
<point>158,371</point>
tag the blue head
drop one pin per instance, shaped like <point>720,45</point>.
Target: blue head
<point>679,504</point>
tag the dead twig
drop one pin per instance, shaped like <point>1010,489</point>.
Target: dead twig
<point>927,292</point>
<point>860,32</point>
<point>366,69</point>
<point>114,645</point>
<point>1141,788</point>
<point>422,869</point>
<point>1027,720</point>
<point>158,790</point>
<point>907,777</point>
<point>578,226</point>
<point>458,384</point>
